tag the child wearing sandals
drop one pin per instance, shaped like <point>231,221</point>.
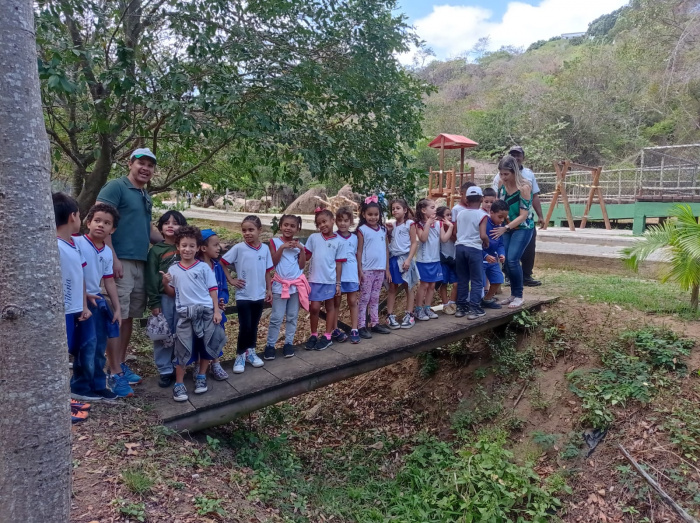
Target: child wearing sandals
<point>373,263</point>
<point>447,262</point>
<point>430,232</point>
<point>289,286</point>
<point>349,276</point>
<point>402,249</point>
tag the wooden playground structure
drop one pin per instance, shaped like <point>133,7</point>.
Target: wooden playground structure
<point>443,183</point>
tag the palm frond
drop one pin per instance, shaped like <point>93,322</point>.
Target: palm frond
<point>683,269</point>
<point>688,230</point>
<point>655,238</point>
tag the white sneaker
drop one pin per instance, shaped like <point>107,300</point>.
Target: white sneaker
<point>408,321</point>
<point>430,313</point>
<point>239,364</point>
<point>253,359</point>
<point>392,323</point>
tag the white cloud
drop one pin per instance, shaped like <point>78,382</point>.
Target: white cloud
<point>451,30</point>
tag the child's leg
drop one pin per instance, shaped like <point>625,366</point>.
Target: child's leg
<point>200,352</point>
<point>292,315</point>
<point>164,356</point>
<point>493,290</point>
<point>443,293</point>
<point>331,316</point>
<point>256,314</point>
<point>420,294</point>
<point>365,292</point>
<point>391,298</point>
<point>430,292</point>
<point>314,309</point>
<point>279,308</point>
<point>352,305</point>
<point>99,378</point>
<point>410,298</point>
<point>113,351</point>
<point>377,281</point>
<point>336,303</point>
<point>462,267</point>
<point>179,374</point>
<point>244,325</point>
<point>84,359</point>
<point>453,293</point>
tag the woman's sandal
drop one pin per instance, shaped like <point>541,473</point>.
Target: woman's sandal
<point>516,303</point>
<point>506,301</point>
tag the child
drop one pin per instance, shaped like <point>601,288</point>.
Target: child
<point>462,204</point>
<point>209,253</point>
<point>471,235</point>
<point>323,250</point>
<point>289,286</point>
<point>447,262</point>
<point>490,196</point>
<point>495,254</point>
<point>430,233</point>
<point>161,256</point>
<point>102,220</point>
<point>252,263</point>
<point>194,288</point>
<point>349,275</point>
<point>373,265</point>
<point>67,216</point>
<point>402,249</point>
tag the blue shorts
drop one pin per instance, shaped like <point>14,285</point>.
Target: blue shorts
<point>493,273</point>
<point>448,274</point>
<point>321,291</point>
<point>348,286</point>
<point>430,272</point>
<point>395,272</point>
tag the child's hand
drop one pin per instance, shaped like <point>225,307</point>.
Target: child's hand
<point>388,276</point>
<point>490,259</point>
<point>361,275</point>
<point>167,278</point>
<point>406,265</point>
<point>294,244</point>
<point>337,289</point>
<point>268,296</point>
<point>502,258</point>
<point>450,226</point>
<point>238,284</point>
<point>389,226</point>
<point>156,311</point>
<point>498,232</point>
<point>85,315</point>
<point>92,298</point>
<point>217,316</point>
<point>430,221</point>
<point>117,317</point>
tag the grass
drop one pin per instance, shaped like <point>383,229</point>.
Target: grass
<point>225,234</point>
<point>645,295</point>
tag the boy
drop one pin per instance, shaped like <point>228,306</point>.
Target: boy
<point>102,220</point>
<point>194,287</point>
<point>490,196</point>
<point>471,235</point>
<point>494,254</point>
<point>462,204</point>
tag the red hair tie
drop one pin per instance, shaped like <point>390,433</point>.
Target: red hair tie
<point>317,210</point>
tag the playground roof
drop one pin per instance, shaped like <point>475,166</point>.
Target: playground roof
<point>452,141</point>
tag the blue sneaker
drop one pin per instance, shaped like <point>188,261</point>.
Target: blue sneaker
<point>131,378</point>
<point>120,386</point>
<point>354,336</point>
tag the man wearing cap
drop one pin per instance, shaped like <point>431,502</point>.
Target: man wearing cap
<point>129,244</point>
<point>528,258</point>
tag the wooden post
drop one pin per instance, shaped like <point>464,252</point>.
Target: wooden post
<point>601,202</point>
<point>564,197</point>
<point>461,160</point>
<point>442,153</point>
<point>430,180</point>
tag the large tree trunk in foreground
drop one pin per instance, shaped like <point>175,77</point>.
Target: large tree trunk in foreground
<point>35,423</point>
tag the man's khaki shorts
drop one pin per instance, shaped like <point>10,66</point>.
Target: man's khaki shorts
<point>132,289</point>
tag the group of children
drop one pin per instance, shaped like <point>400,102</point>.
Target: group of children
<point>187,282</point>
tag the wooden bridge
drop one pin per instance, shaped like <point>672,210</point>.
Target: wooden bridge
<point>284,378</point>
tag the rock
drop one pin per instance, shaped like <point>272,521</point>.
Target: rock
<point>219,202</point>
<point>266,198</point>
<point>253,206</point>
<point>346,190</point>
<point>307,202</point>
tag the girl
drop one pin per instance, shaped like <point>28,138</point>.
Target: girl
<point>252,262</point>
<point>430,233</point>
<point>517,193</point>
<point>349,276</point>
<point>325,269</point>
<point>447,263</point>
<point>289,286</point>
<point>373,265</point>
<point>209,253</point>
<point>402,249</point>
<point>161,256</point>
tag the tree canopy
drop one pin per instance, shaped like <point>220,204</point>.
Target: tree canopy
<point>298,85</point>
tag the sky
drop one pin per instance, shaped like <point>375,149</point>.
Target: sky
<point>451,27</point>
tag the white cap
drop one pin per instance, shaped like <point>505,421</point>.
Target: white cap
<point>138,153</point>
<point>475,191</point>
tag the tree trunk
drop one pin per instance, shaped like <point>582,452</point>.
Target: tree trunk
<point>97,178</point>
<point>35,454</point>
<point>694,297</point>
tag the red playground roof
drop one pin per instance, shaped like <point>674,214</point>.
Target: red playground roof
<point>452,141</point>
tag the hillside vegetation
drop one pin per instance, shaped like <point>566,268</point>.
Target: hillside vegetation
<point>631,82</point>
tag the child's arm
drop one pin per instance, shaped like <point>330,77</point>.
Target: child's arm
<point>167,280</point>
<point>111,288</point>
<point>268,286</point>
<point>482,233</point>
<point>338,272</point>
<point>276,252</point>
<point>358,254</point>
<point>153,283</point>
<point>424,232</point>
<point>85,315</point>
<point>302,255</point>
<point>388,273</point>
<point>413,233</point>
<point>215,304</point>
<point>446,234</point>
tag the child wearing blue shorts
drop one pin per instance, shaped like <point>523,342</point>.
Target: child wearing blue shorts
<point>349,276</point>
<point>494,255</point>
<point>448,255</point>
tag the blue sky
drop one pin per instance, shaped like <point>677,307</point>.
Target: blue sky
<point>452,27</point>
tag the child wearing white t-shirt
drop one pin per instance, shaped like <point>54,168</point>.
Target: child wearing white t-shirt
<point>402,266</point>
<point>325,269</point>
<point>253,265</point>
<point>349,276</point>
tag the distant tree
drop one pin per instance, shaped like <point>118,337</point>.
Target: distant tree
<point>602,26</point>
<point>307,85</point>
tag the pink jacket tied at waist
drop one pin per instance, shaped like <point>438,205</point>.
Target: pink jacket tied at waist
<point>302,286</point>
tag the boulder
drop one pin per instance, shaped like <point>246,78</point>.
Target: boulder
<point>307,202</point>
<point>346,190</point>
<point>253,206</point>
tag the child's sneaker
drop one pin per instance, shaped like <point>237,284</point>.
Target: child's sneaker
<point>392,323</point>
<point>76,416</point>
<point>288,350</point>
<point>461,312</point>
<point>323,343</point>
<point>449,309</point>
<point>475,312</point>
<point>107,395</point>
<point>88,396</point>
<point>354,336</point>
<point>79,405</point>
<point>200,384</point>
<point>421,315</point>
<point>131,378</point>
<point>166,380</point>
<point>380,329</point>
<point>218,371</point>
<point>180,392</point>
<point>120,386</point>
<point>311,342</point>
<point>430,313</point>
<point>253,359</point>
<point>365,333</point>
<point>239,364</point>
<point>339,336</point>
<point>269,352</point>
<point>490,304</point>
<point>408,321</point>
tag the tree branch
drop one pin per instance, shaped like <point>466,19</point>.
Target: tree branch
<point>168,182</point>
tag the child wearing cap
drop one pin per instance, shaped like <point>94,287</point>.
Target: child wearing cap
<point>471,235</point>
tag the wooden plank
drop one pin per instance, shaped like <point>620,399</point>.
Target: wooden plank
<point>282,378</point>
